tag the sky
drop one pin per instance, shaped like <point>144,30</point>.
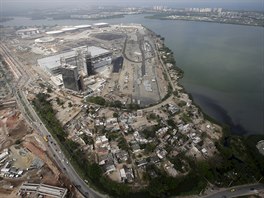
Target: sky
<point>26,5</point>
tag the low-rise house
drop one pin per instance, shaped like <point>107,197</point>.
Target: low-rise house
<point>139,138</point>
<point>122,156</point>
<point>122,174</point>
<point>109,167</point>
<point>204,151</point>
<point>183,128</point>
<point>135,148</point>
<point>162,131</point>
<point>142,162</point>
<point>161,153</point>
<point>166,137</point>
<point>4,155</point>
<point>154,159</point>
<point>112,124</point>
<point>102,150</point>
<point>101,140</point>
<point>102,159</point>
<point>129,174</point>
<point>169,168</point>
<point>139,113</point>
<point>196,140</point>
<point>173,109</point>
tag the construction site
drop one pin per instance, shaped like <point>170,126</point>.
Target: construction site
<point>118,62</point>
<point>23,156</point>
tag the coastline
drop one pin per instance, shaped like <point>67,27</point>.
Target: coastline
<point>205,21</point>
<point>224,144</point>
<point>230,127</point>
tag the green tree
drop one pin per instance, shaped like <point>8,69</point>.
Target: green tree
<point>150,147</point>
<point>49,90</point>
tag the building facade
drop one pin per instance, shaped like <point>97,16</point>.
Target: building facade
<point>71,78</point>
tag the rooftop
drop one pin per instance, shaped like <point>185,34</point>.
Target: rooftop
<point>54,32</point>
<point>27,30</point>
<point>100,24</point>
<point>42,189</point>
<point>82,26</point>
<point>54,61</point>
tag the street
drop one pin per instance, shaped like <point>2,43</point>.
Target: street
<point>54,151</point>
<point>237,191</point>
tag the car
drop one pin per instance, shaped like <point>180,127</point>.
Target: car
<point>86,194</point>
<point>232,190</point>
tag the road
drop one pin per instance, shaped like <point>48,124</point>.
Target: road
<point>23,78</point>
<point>237,191</point>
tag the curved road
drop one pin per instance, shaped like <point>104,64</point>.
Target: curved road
<point>237,191</point>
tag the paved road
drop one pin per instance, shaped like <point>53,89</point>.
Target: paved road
<point>23,79</point>
<point>237,191</point>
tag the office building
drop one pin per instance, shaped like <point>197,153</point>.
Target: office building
<point>71,78</point>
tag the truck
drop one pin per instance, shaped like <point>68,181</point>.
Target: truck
<point>45,137</point>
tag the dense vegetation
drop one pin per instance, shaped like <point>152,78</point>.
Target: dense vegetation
<point>168,57</point>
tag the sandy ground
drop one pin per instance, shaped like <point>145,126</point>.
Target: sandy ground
<point>12,127</point>
<point>42,155</point>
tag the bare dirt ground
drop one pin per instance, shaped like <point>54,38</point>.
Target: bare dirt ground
<point>8,193</point>
<point>48,174</point>
<point>43,156</point>
<point>12,127</point>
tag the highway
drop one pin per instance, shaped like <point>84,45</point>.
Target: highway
<point>237,191</point>
<point>23,78</point>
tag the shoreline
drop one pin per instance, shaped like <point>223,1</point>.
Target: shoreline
<point>204,21</point>
<point>225,126</point>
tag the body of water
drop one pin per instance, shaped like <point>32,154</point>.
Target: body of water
<point>223,65</point>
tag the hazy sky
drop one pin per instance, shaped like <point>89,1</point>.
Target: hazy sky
<point>25,5</point>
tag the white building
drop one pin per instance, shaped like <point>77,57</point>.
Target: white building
<point>4,154</point>
<point>100,25</point>
<point>27,32</point>
<point>99,57</point>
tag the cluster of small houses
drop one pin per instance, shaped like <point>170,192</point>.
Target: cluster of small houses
<point>110,157</point>
<point>109,160</point>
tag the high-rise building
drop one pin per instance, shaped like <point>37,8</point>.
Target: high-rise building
<point>71,78</point>
<point>89,64</point>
